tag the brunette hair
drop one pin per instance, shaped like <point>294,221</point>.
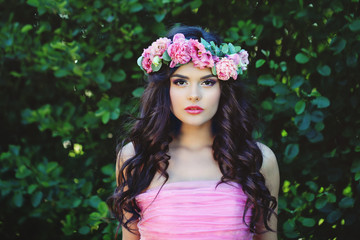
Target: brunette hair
<point>236,152</point>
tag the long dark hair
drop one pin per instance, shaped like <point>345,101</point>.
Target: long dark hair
<point>236,152</point>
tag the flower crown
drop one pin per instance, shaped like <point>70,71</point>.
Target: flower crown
<point>226,61</point>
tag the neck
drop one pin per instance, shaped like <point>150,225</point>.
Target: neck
<point>195,137</point>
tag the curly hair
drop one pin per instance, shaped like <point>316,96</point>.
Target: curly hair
<point>236,152</point>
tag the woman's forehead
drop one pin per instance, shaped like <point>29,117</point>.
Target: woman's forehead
<point>190,71</point>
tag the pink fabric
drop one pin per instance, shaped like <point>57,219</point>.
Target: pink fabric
<point>193,210</point>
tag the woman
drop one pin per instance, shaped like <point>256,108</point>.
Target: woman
<point>191,169</point>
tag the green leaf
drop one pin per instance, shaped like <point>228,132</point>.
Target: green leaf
<point>265,52</point>
<point>289,225</point>
<point>166,56</point>
<point>266,105</point>
<point>301,58</point>
<point>18,199</point>
<point>296,81</point>
<point>305,121</point>
<point>355,25</point>
<point>331,197</point>
<point>307,222</point>
<point>139,61</point>
<point>105,117</point>
<point>337,44</point>
<point>159,17</point>
<point>108,169</point>
<point>32,188</point>
<point>36,198</point>
<point>266,80</point>
<point>94,201</point>
<point>289,229</point>
<point>61,73</point>
<point>312,185</point>
<point>333,216</point>
<point>324,70</point>
<point>259,63</point>
<point>138,92</point>
<point>22,172</point>
<point>157,67</point>
<point>87,188</point>
<point>291,151</point>
<point>309,197</point>
<point>34,3</point>
<point>280,89</point>
<point>225,49</point>
<point>347,202</point>
<point>195,4</point>
<point>283,66</point>
<point>26,28</point>
<point>321,102</point>
<point>84,230</point>
<point>317,116</point>
<point>355,166</point>
<point>300,107</point>
<point>213,70</point>
<point>357,176</point>
<point>119,76</point>
<point>136,8</point>
<point>277,22</point>
<point>232,49</point>
<point>321,202</point>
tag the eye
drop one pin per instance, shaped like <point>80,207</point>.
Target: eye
<point>209,82</point>
<point>180,82</point>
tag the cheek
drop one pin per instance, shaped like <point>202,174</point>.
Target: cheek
<point>216,97</point>
<point>174,98</point>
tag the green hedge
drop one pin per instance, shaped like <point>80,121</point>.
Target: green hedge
<point>69,79</point>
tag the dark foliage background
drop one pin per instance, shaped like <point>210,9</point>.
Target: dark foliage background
<point>69,78</point>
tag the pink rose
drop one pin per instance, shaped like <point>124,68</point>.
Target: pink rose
<point>147,60</point>
<point>159,47</point>
<point>235,57</point>
<point>179,50</point>
<point>146,64</point>
<point>244,59</point>
<point>226,68</point>
<point>147,53</point>
<point>200,57</point>
<point>215,58</point>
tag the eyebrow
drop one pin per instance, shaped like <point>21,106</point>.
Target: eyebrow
<point>185,77</point>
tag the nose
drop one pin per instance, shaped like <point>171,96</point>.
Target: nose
<point>194,94</point>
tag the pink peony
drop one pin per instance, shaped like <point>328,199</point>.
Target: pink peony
<point>226,68</point>
<point>159,47</point>
<point>146,64</point>
<point>147,60</point>
<point>215,58</point>
<point>235,57</point>
<point>244,59</point>
<point>179,50</point>
<point>200,57</point>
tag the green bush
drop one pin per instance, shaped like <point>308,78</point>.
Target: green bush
<point>69,79</point>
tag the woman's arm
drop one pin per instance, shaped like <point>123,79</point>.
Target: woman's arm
<point>270,171</point>
<point>126,152</point>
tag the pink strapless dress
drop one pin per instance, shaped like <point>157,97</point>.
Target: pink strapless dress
<point>194,210</point>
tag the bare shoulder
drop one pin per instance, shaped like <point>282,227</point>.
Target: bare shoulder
<point>270,169</point>
<point>124,154</point>
<point>269,158</point>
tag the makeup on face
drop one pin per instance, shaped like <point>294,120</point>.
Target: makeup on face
<point>194,94</point>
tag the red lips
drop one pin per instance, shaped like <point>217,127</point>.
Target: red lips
<point>194,109</point>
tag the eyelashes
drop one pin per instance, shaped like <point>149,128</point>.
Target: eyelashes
<point>180,82</point>
<point>183,82</point>
<point>209,82</point>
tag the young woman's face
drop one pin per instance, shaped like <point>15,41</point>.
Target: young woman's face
<point>194,94</point>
